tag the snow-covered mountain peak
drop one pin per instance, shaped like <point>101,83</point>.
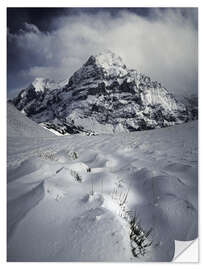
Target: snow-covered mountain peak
<point>35,93</point>
<point>106,65</point>
<point>109,59</point>
<point>105,59</point>
<point>102,96</point>
<point>111,63</point>
<point>40,84</point>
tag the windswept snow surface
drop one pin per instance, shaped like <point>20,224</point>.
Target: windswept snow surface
<point>19,125</point>
<point>70,198</point>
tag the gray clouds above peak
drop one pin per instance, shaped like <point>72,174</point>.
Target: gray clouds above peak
<point>29,27</point>
<point>162,44</point>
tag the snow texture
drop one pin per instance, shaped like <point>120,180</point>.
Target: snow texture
<point>19,125</point>
<point>71,198</point>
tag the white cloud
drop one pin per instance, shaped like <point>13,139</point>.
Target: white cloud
<point>31,28</point>
<point>163,46</point>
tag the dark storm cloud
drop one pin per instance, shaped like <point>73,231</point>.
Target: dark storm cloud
<point>54,43</point>
<point>42,17</point>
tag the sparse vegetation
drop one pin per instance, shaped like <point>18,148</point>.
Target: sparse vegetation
<point>138,237</point>
<point>121,199</point>
<point>73,155</point>
<point>92,188</point>
<point>76,176</point>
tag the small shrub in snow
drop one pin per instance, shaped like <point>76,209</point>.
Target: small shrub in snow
<point>76,176</point>
<point>88,169</point>
<point>121,199</point>
<point>139,238</point>
<point>73,155</point>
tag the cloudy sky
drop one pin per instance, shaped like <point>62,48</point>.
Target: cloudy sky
<point>55,42</point>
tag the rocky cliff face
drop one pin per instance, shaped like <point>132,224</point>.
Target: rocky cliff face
<point>103,96</point>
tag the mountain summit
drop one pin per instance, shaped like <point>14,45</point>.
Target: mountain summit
<point>102,66</point>
<point>103,96</point>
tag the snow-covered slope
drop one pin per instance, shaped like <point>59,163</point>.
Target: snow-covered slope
<point>122,197</point>
<point>103,96</point>
<point>19,125</point>
<point>191,103</point>
<point>41,84</point>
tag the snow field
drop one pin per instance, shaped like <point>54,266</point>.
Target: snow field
<point>72,198</point>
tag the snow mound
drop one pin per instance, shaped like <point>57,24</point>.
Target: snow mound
<point>53,191</point>
<point>19,207</point>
